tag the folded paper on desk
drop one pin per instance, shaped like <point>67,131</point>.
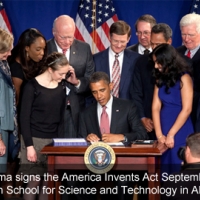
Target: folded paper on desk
<point>143,142</point>
<point>69,142</point>
<point>118,144</point>
<point>113,143</point>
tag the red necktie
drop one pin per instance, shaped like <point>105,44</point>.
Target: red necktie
<point>64,51</point>
<point>104,121</point>
<point>116,76</point>
<point>188,54</point>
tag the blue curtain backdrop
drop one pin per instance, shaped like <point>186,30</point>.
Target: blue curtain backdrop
<point>40,14</point>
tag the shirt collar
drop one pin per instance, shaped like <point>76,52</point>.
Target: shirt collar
<point>141,49</point>
<point>112,53</point>
<point>58,47</point>
<point>193,51</point>
<point>109,103</point>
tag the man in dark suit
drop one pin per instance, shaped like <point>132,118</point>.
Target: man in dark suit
<point>124,122</point>
<point>143,27</point>
<point>142,86</point>
<point>190,32</point>
<point>123,119</point>
<point>119,36</point>
<point>82,66</point>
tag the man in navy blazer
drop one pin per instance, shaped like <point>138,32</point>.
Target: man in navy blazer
<point>119,36</point>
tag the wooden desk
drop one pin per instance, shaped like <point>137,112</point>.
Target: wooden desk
<point>127,158</point>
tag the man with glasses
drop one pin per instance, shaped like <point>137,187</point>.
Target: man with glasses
<point>143,28</point>
<point>117,61</point>
<point>190,32</point>
<point>81,67</point>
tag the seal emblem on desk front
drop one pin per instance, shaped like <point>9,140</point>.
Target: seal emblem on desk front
<point>99,158</point>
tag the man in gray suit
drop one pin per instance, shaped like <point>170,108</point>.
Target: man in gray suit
<point>82,66</point>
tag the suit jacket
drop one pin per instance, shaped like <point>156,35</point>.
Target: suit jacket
<point>142,86</point>
<point>195,62</point>
<point>82,62</point>
<point>101,61</point>
<point>124,120</point>
<point>134,47</point>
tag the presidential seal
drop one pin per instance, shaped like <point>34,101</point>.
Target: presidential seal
<point>99,158</point>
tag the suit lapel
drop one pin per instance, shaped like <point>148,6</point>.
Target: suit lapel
<point>115,116</point>
<point>53,46</point>
<point>94,120</point>
<point>73,52</point>
<point>196,55</point>
<point>105,62</point>
<point>125,70</point>
<point>136,48</point>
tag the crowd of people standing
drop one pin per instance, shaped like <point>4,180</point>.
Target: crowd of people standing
<point>45,85</point>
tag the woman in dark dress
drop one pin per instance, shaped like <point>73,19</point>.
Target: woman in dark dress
<point>43,103</point>
<point>172,103</point>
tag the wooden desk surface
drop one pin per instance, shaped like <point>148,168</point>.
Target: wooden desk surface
<point>121,151</point>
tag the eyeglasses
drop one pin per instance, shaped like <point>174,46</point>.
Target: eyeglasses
<point>115,42</point>
<point>145,33</point>
<point>188,35</point>
<point>69,38</point>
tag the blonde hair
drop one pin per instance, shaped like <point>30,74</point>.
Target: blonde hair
<point>6,41</point>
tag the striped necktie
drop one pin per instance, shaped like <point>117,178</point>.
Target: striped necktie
<point>116,76</point>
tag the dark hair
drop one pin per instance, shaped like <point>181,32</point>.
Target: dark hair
<point>146,18</point>
<point>54,61</point>
<point>120,28</point>
<point>173,66</point>
<point>99,76</point>
<point>164,29</point>
<point>30,67</point>
<point>193,142</point>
